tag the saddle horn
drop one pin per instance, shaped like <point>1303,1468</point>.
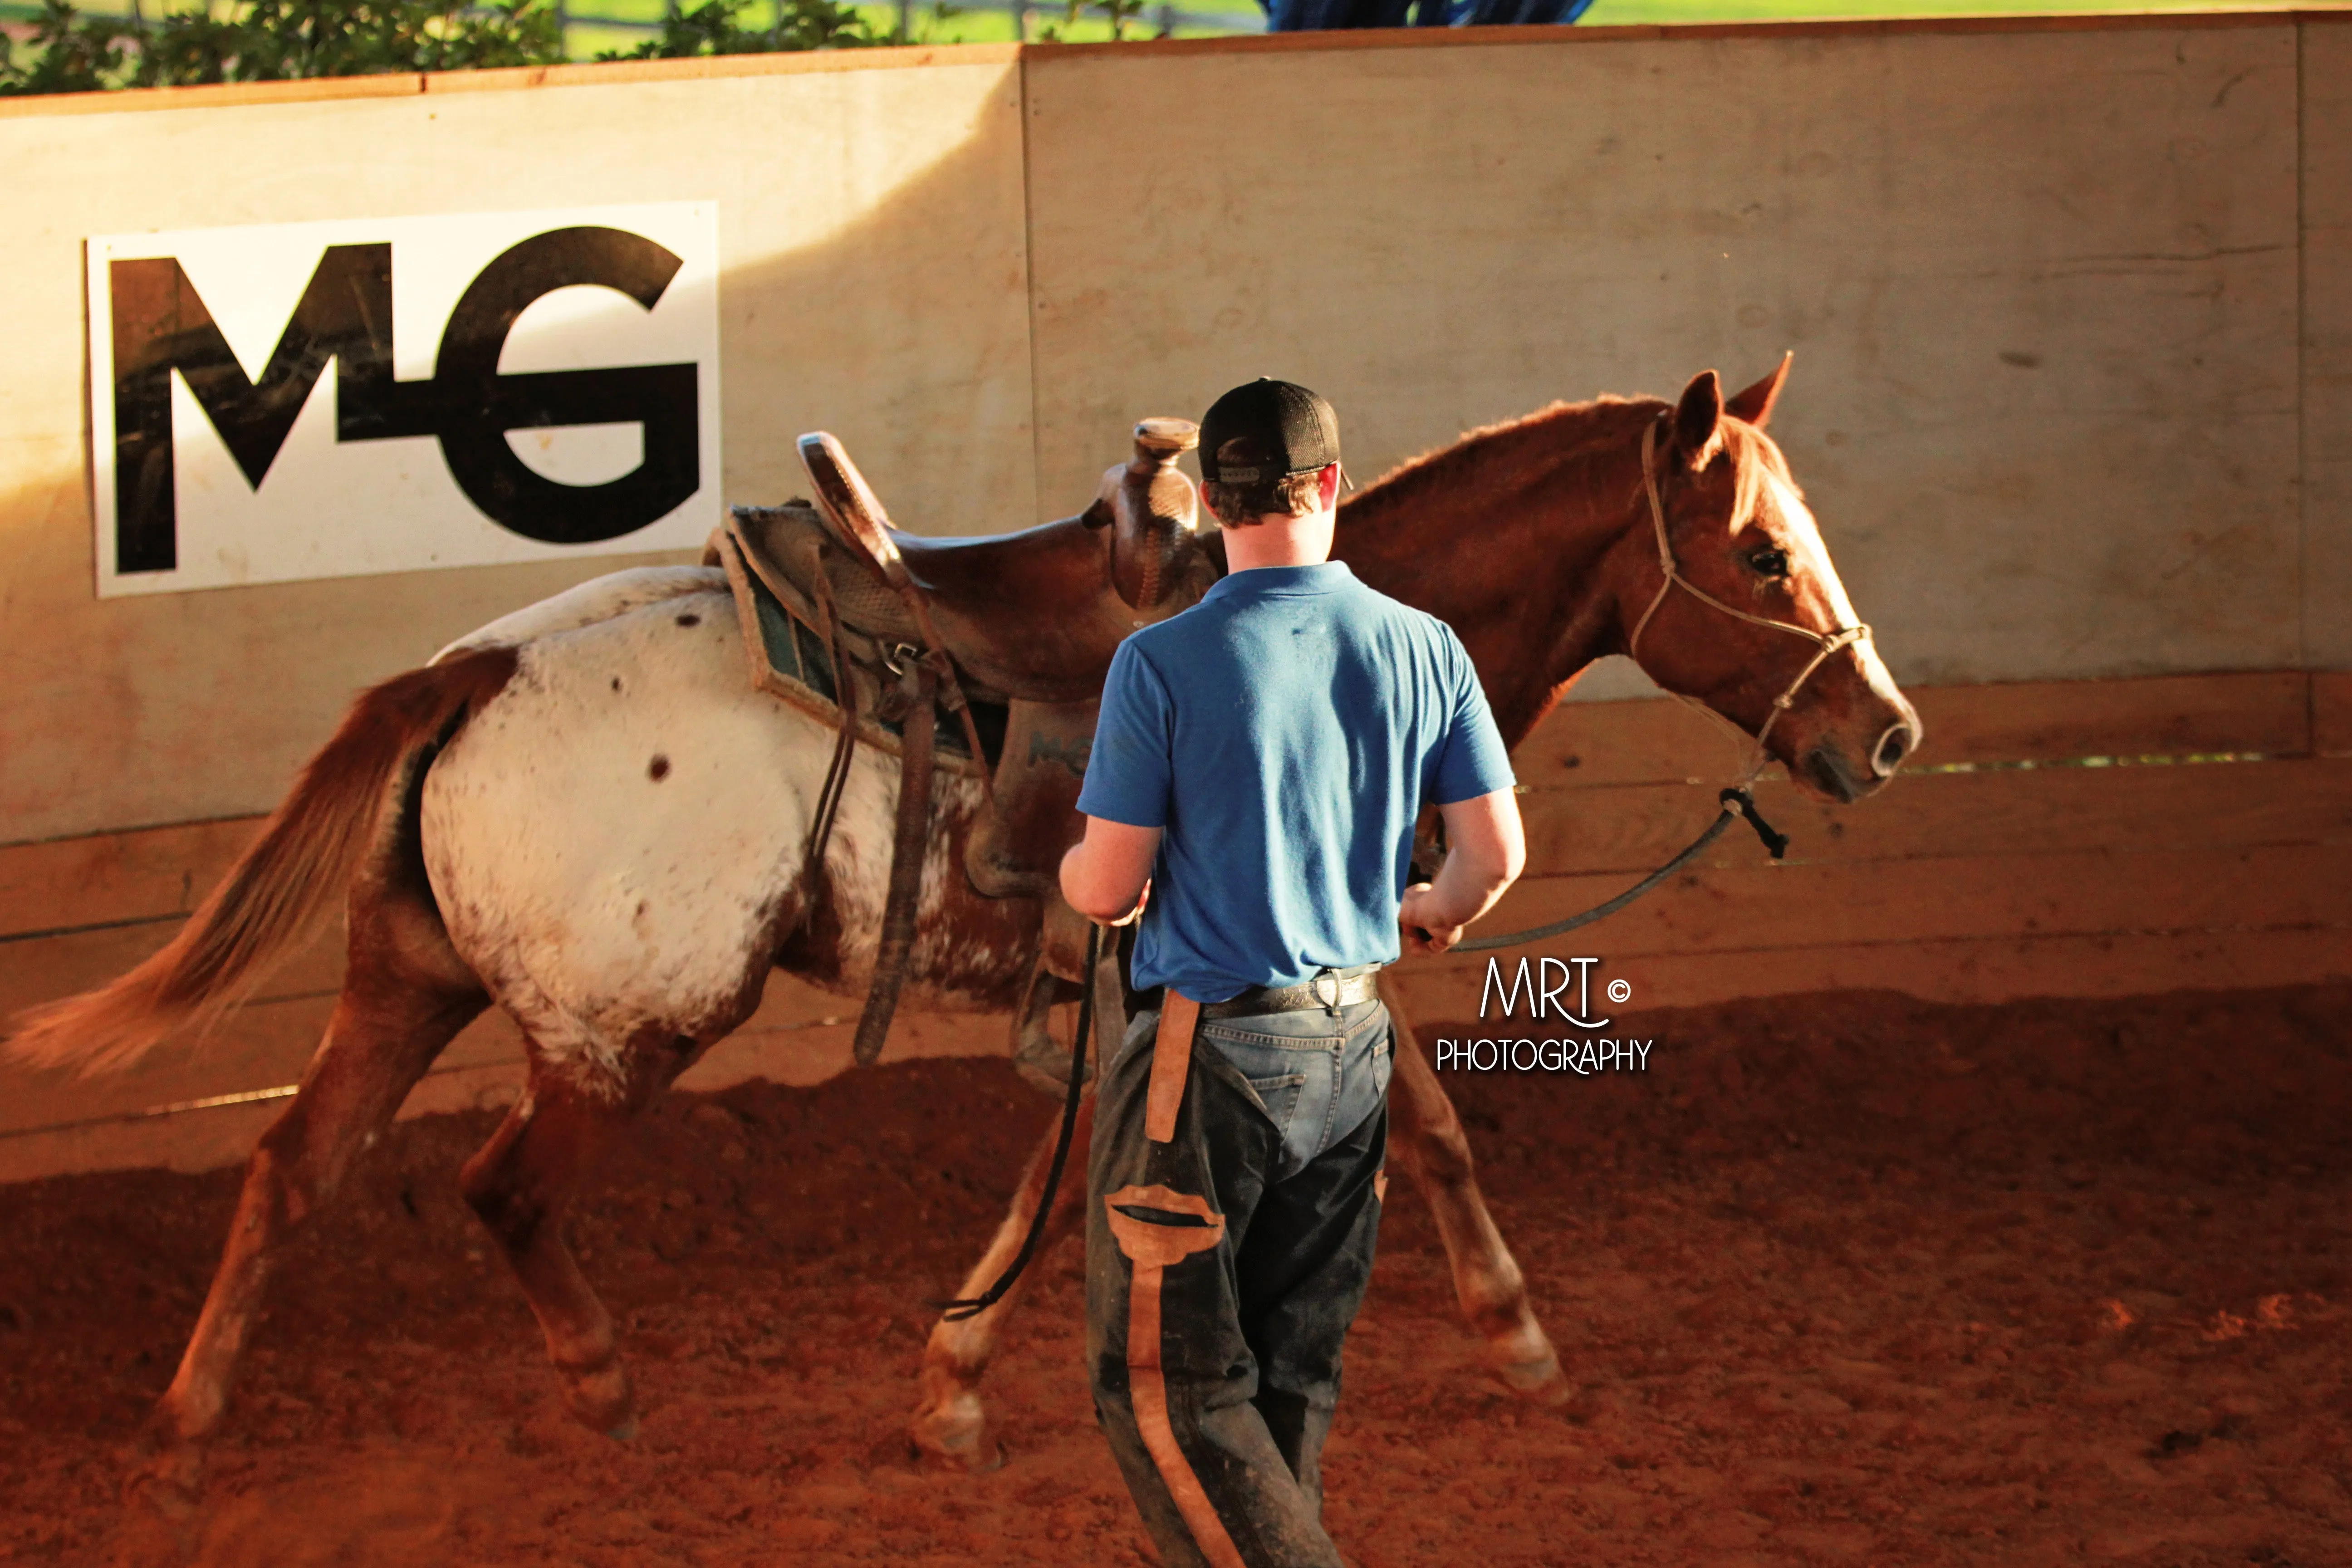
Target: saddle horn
<point>1154,510</point>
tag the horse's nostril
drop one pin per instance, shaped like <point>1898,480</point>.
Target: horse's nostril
<point>1893,747</point>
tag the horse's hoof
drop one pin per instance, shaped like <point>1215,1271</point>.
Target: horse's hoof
<point>166,1477</point>
<point>954,1431</point>
<point>1525,1361</point>
<point>601,1401</point>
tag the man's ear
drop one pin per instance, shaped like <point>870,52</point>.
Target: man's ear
<point>1755,404</point>
<point>1698,421</point>
<point>1328,486</point>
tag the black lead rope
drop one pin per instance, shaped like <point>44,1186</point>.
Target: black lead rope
<point>1732,800</point>
<point>957,1311</point>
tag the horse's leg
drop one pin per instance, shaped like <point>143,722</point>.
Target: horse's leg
<point>406,995</point>
<point>519,1184</point>
<point>1424,1129</point>
<point>952,1422</point>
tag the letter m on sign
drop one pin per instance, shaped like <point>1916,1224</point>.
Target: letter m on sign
<point>161,325</point>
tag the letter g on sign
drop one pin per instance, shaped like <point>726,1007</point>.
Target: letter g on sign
<point>479,406</point>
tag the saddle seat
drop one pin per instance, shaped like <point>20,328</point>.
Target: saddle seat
<point>1032,615</point>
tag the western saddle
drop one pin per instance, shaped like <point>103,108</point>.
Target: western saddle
<point>984,656</point>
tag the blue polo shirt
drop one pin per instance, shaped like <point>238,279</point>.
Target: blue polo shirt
<point>1284,731</point>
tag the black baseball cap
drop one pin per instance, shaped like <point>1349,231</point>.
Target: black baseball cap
<point>1266,430</point>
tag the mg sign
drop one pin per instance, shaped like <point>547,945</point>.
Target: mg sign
<point>331,399</point>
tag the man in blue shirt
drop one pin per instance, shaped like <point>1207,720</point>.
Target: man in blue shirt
<point>1258,765</point>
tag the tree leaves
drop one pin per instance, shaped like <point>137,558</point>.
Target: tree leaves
<point>278,40</point>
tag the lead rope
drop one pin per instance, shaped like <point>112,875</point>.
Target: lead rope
<point>963,1307</point>
<point>1736,800</point>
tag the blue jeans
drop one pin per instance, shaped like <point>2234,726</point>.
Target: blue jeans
<point>1316,1075</point>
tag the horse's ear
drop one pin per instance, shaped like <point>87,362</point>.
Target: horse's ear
<point>1698,420</point>
<point>1755,404</point>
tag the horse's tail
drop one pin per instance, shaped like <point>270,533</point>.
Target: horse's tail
<point>278,887</point>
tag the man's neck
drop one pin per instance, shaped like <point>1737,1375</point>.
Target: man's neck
<point>1303,540</point>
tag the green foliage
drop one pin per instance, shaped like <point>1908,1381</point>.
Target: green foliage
<point>713,28</point>
<point>280,40</point>
<point>1121,12</point>
<point>70,53</point>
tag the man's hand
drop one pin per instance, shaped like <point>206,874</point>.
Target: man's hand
<point>1425,932</point>
<point>1488,849</point>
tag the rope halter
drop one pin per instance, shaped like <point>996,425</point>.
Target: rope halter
<point>1824,643</point>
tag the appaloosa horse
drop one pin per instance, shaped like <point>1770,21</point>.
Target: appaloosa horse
<point>585,813</point>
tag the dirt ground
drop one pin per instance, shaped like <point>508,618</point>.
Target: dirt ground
<point>1845,1278</point>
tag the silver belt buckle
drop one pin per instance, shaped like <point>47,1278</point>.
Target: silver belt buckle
<point>1315,989</point>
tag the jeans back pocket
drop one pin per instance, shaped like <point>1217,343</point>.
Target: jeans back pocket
<point>1279,1095</point>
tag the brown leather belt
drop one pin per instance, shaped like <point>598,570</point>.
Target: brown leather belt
<point>1331,990</point>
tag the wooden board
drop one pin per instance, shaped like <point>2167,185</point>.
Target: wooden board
<point>1630,828</point>
<point>1982,969</point>
<point>42,968</point>
<point>1772,909</point>
<point>262,1045</point>
<point>2171,715</point>
<point>1581,744</point>
<point>54,1125</point>
<point>110,878</point>
<point>2331,714</point>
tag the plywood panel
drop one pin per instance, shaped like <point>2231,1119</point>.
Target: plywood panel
<point>2042,287</point>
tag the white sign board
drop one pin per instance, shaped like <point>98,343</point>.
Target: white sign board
<point>288,400</point>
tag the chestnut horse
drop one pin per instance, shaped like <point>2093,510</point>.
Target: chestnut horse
<point>585,813</point>
<point>1538,541</point>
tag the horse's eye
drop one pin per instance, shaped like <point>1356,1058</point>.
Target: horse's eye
<point>1770,561</point>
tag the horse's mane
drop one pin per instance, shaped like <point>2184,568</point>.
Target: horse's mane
<point>1574,429</point>
<point>1567,435</point>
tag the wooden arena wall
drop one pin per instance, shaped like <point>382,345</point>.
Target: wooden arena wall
<point>2073,307</point>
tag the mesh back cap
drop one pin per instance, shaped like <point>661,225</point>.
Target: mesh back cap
<point>1266,430</point>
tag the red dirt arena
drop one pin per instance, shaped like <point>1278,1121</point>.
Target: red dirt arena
<point>1842,1278</point>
